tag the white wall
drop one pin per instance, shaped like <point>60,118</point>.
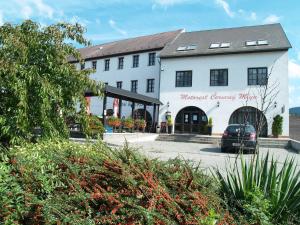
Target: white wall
<point>237,65</point>
<point>128,73</point>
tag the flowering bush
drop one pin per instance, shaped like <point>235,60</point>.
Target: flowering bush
<point>68,183</point>
<point>128,123</point>
<point>114,121</point>
<point>140,124</point>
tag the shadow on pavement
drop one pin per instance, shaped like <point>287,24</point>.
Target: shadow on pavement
<point>211,150</point>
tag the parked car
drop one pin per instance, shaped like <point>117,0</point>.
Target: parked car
<point>238,137</point>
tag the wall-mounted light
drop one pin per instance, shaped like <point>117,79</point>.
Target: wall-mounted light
<point>283,109</point>
<point>218,104</point>
<point>275,104</point>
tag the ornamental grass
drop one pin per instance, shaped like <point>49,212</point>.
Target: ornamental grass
<point>59,182</point>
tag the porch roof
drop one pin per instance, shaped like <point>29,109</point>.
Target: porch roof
<point>122,94</point>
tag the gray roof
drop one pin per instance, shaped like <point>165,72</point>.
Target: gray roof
<point>129,46</point>
<point>114,92</point>
<point>237,37</point>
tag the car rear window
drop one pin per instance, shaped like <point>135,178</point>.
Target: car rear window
<point>240,128</point>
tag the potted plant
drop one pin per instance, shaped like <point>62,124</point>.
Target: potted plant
<point>140,124</point>
<point>209,126</point>
<point>277,126</point>
<point>114,122</point>
<point>128,123</point>
<point>170,125</point>
<point>96,126</point>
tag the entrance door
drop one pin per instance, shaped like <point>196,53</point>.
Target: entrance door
<point>191,120</point>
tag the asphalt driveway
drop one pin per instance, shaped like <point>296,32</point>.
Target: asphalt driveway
<point>208,155</point>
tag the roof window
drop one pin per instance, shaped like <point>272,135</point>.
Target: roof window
<point>181,48</point>
<point>215,45</point>
<point>262,42</point>
<point>225,45</point>
<point>251,43</point>
<point>191,47</point>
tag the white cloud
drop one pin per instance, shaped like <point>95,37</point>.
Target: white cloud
<point>35,8</point>
<point>247,15</point>
<point>1,18</point>
<point>113,25</point>
<point>272,19</point>
<point>253,16</point>
<point>226,7</point>
<point>43,8</point>
<point>294,69</point>
<point>168,2</point>
<point>26,12</point>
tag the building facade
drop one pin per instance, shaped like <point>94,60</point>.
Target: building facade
<point>236,75</point>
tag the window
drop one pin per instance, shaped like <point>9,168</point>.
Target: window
<point>225,45</point>
<point>191,47</point>
<point>121,63</point>
<point>262,42</point>
<point>258,76</point>
<point>82,66</point>
<point>181,48</point>
<point>135,62</point>
<point>214,45</point>
<point>150,85</point>
<point>251,43</point>
<point>134,84</point>
<point>94,65</point>
<point>106,66</point>
<point>152,57</point>
<point>119,84</point>
<point>183,78</point>
<point>219,77</point>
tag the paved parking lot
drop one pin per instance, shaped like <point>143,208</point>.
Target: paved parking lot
<point>208,155</point>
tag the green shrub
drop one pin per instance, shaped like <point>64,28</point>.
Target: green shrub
<point>95,126</point>
<point>277,125</point>
<point>268,191</point>
<point>68,183</point>
<point>210,122</point>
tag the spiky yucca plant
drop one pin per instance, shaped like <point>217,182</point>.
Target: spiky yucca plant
<point>280,186</point>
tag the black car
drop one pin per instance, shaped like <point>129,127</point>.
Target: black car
<point>239,137</point>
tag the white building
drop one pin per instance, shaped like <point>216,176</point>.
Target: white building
<point>197,75</point>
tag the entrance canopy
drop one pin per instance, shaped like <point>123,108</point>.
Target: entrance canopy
<point>110,91</point>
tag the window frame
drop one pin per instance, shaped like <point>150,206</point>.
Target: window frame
<point>94,65</point>
<point>186,82</point>
<point>135,61</point>
<point>119,83</point>
<point>82,66</point>
<point>257,79</point>
<point>134,86</point>
<point>215,82</point>
<point>150,85</point>
<point>106,64</point>
<point>151,58</point>
<point>120,63</point>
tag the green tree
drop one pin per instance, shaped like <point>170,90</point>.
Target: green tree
<point>38,85</point>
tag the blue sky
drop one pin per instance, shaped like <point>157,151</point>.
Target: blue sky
<point>108,20</point>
